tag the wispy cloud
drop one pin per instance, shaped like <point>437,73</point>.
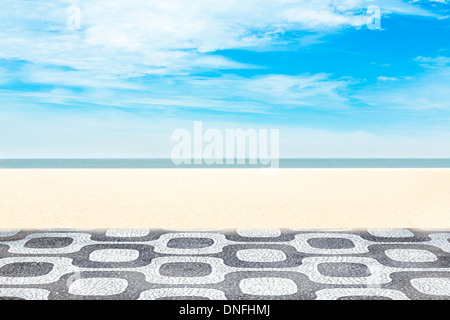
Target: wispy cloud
<point>433,61</point>
<point>383,78</point>
<point>169,59</point>
<point>165,37</point>
<point>228,93</point>
<point>427,90</point>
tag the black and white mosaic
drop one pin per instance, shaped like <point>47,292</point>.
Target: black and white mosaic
<point>242,264</point>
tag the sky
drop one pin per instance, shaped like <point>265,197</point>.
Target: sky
<point>114,79</point>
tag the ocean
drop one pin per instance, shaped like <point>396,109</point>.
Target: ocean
<point>168,164</point>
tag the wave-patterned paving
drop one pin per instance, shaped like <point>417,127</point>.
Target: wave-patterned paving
<point>399,264</point>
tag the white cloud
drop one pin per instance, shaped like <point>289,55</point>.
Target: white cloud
<point>404,7</point>
<point>129,39</point>
<point>433,61</point>
<point>439,1</point>
<point>427,90</point>
<point>166,41</point>
<point>229,93</point>
<point>383,78</point>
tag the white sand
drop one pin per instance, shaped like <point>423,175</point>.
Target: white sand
<point>225,198</point>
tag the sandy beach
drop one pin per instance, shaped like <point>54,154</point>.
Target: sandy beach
<point>224,198</point>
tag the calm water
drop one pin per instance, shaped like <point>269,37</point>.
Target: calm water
<point>167,163</point>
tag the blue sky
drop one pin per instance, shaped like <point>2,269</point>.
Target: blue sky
<point>133,72</point>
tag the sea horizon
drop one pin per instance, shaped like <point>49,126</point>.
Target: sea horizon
<point>164,163</point>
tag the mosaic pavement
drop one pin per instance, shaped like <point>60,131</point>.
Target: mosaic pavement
<point>265,264</point>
